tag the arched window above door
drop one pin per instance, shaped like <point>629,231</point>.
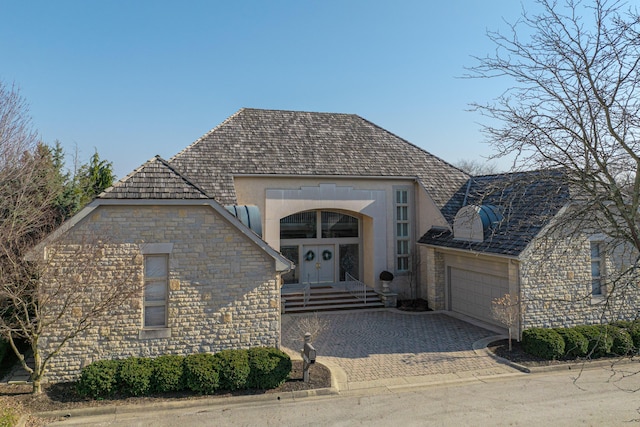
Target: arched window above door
<point>326,224</point>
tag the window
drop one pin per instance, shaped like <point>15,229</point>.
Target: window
<point>402,230</point>
<point>292,254</point>
<point>302,225</point>
<point>338,225</point>
<point>156,278</point>
<point>596,268</point>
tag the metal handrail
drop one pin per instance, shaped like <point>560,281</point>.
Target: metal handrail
<point>306,291</point>
<point>355,287</point>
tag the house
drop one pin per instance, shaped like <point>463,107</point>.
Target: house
<point>271,199</point>
<point>336,194</point>
<point>503,239</point>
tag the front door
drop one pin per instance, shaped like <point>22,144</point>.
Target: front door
<point>318,263</point>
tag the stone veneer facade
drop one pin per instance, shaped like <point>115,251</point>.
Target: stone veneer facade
<point>223,292</point>
<point>555,276</point>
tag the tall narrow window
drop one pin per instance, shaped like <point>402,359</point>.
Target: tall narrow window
<point>156,278</point>
<point>596,268</point>
<point>402,230</point>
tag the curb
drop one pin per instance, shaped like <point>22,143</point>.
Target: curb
<point>186,404</point>
<point>481,346</point>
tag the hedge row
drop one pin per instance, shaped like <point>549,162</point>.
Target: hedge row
<point>617,339</point>
<point>256,368</point>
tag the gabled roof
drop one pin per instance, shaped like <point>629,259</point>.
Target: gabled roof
<point>527,201</point>
<point>302,143</point>
<point>156,179</point>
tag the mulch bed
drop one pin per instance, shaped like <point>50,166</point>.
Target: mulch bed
<point>63,395</point>
<point>413,305</point>
<point>518,355</point>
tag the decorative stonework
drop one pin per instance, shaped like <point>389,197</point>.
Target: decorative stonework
<point>222,289</point>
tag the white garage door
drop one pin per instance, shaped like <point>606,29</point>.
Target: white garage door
<point>472,292</point>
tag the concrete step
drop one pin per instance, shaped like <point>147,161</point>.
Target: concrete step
<point>331,307</point>
<point>333,295</point>
<point>324,298</point>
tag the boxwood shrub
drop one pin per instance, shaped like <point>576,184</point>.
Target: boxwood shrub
<point>168,374</point>
<point>633,328</point>
<point>622,342</point>
<point>575,344</point>
<point>233,368</point>
<point>134,376</point>
<point>600,339</point>
<point>200,373</point>
<point>270,367</point>
<point>543,343</point>
<point>260,368</point>
<point>99,379</point>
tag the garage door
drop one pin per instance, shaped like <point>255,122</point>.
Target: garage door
<point>472,292</point>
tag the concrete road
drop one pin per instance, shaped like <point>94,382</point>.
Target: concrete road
<point>599,397</point>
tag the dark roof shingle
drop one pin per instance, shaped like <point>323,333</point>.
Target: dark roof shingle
<point>527,200</point>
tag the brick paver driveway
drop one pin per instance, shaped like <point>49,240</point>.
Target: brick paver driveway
<point>382,344</point>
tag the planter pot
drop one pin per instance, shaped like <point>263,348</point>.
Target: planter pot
<point>385,286</point>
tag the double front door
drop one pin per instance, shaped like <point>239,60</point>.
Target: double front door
<point>318,264</point>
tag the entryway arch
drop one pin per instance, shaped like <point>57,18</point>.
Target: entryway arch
<point>325,245</point>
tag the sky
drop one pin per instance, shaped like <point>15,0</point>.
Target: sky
<point>136,78</point>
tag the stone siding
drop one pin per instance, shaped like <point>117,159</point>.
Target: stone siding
<point>555,282</point>
<point>223,289</point>
<point>434,284</point>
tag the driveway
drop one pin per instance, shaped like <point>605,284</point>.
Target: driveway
<point>369,348</point>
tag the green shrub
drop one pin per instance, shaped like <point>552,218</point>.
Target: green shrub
<point>575,344</point>
<point>98,379</point>
<point>270,368</point>
<point>134,377</point>
<point>634,331</point>
<point>600,339</point>
<point>168,374</point>
<point>200,374</point>
<point>233,368</point>
<point>622,341</point>
<point>543,343</point>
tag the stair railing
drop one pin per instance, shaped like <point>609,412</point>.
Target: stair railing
<point>306,292</point>
<point>355,287</point>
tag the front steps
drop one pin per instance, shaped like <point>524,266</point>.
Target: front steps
<point>326,298</point>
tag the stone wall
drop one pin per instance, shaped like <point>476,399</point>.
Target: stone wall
<point>433,277</point>
<point>223,289</point>
<point>556,285</point>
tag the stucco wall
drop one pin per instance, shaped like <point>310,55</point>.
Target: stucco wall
<point>371,199</point>
<point>223,290</point>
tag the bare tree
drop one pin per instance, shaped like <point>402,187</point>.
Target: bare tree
<point>54,291</point>
<point>476,167</point>
<point>574,106</point>
<point>506,310</point>
<point>61,292</point>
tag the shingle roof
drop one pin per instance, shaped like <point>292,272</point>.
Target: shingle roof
<point>528,201</point>
<point>303,143</point>
<point>156,179</point>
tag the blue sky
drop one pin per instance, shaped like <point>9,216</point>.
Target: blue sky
<point>138,78</point>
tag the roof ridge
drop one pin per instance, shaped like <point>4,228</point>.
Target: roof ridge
<point>123,180</point>
<point>158,158</point>
<point>182,176</point>
<point>197,141</point>
<point>412,144</point>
